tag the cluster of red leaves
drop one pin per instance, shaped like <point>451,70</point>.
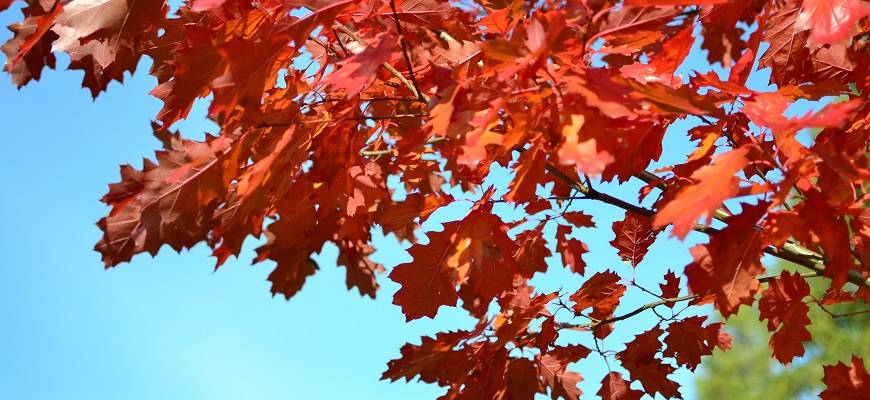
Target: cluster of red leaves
<point>435,93</point>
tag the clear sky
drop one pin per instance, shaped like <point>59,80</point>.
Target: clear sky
<point>169,327</point>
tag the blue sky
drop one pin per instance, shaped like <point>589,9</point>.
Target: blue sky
<point>170,327</point>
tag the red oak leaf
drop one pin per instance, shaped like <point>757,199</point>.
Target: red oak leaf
<point>399,218</point>
<point>29,50</point>
<point>475,253</point>
<point>553,371</point>
<point>728,266</point>
<point>846,381</point>
<point>522,379</point>
<point>571,250</point>
<point>786,313</point>
<point>516,321</point>
<point>530,170</point>
<point>532,253</point>
<point>639,359</point>
<point>613,387</point>
<point>359,68</point>
<point>428,282</point>
<point>548,334</point>
<point>688,340</point>
<point>634,235</point>
<point>168,202</point>
<point>579,219</point>
<point>830,21</point>
<point>194,48</point>
<point>582,154</point>
<point>602,292</point>
<point>671,287</point>
<point>672,2</point>
<point>429,360</point>
<point>830,231</point>
<point>715,183</point>
<point>457,53</point>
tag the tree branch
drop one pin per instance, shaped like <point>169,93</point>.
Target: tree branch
<point>655,304</point>
<point>347,31</point>
<point>834,315</point>
<point>404,45</point>
<point>789,252</point>
<point>357,118</point>
<point>377,153</point>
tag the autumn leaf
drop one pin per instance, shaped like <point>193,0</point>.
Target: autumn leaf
<point>169,201</point>
<point>602,292</point>
<point>553,369</point>
<point>830,21</point>
<point>671,288</point>
<point>614,387</point>
<point>356,70</point>
<point>584,155</point>
<point>400,217</point>
<point>428,360</point>
<point>639,359</point>
<point>715,183</point>
<point>634,236</point>
<point>428,282</point>
<point>688,341</point>
<point>29,50</point>
<point>672,2</point>
<point>579,219</point>
<point>529,171</point>
<point>846,381</point>
<point>460,254</point>
<point>571,250</point>
<point>522,379</point>
<point>728,266</point>
<point>783,307</point>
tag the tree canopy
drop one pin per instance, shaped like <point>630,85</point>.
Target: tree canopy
<point>340,117</point>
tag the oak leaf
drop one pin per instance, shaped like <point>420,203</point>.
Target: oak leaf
<point>614,387</point>
<point>728,266</point>
<point>634,236</point>
<point>846,381</point>
<point>715,183</point>
<point>783,307</point>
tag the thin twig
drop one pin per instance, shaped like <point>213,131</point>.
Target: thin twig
<point>357,118</point>
<point>661,302</point>
<point>404,44</point>
<point>377,153</point>
<point>789,252</point>
<point>347,31</point>
<point>834,315</point>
